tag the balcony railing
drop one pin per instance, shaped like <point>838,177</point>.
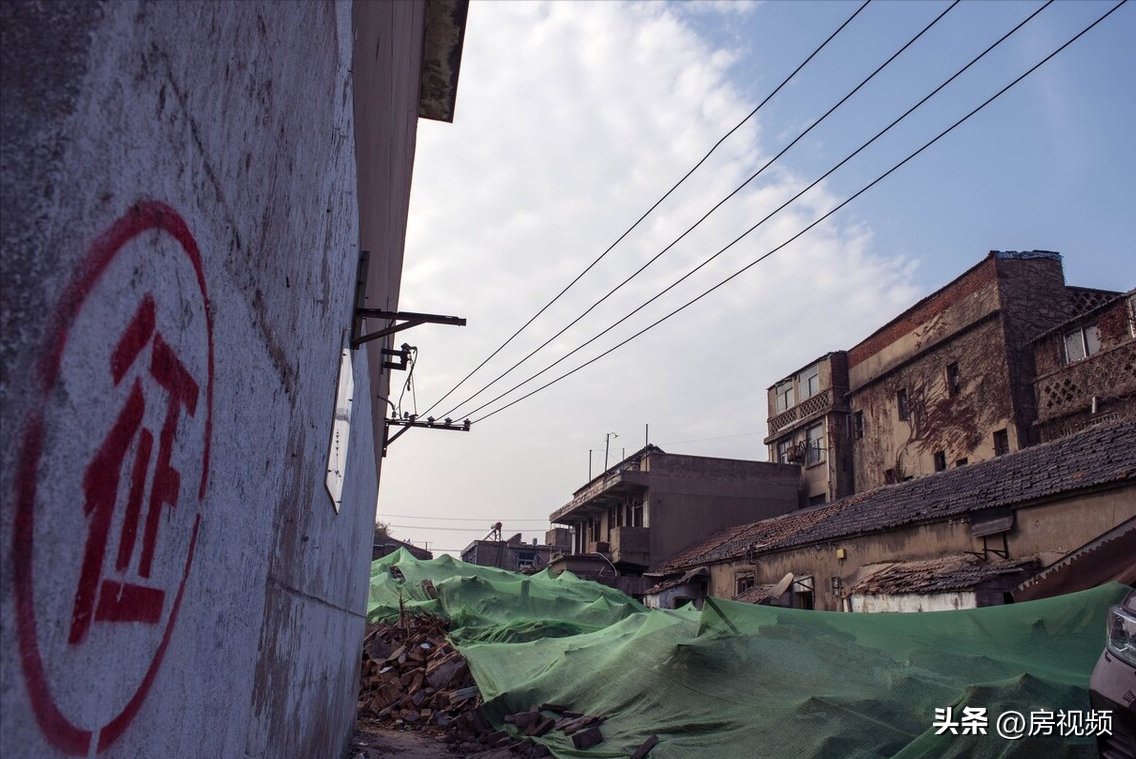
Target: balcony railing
<point>1071,388</point>
<point>803,410</point>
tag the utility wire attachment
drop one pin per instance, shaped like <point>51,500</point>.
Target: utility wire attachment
<point>412,420</point>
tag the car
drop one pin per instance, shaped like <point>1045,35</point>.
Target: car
<point>1112,687</point>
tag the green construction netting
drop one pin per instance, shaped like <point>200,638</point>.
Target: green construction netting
<point>736,680</point>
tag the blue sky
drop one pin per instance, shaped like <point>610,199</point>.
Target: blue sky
<point>573,118</point>
<point>1048,165</point>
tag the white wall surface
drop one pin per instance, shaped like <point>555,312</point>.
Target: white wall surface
<point>179,240</point>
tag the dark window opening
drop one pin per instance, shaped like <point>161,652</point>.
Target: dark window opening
<point>817,500</point>
<point>742,584</point>
<point>858,425</point>
<point>954,380</point>
<point>890,477</point>
<point>961,462</point>
<point>901,403</point>
<point>1001,442</point>
<point>940,461</point>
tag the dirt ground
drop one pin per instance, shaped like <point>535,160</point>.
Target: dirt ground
<point>374,742</point>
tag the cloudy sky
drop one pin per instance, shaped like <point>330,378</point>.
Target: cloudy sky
<point>573,119</point>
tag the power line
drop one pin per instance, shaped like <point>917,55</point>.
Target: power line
<point>640,219</point>
<point>716,206</point>
<point>861,191</point>
<point>773,213</point>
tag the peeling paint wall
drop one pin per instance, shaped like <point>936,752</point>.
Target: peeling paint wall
<point>179,241</point>
<point>963,362</point>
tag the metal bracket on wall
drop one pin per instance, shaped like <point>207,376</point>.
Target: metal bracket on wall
<point>412,421</point>
<point>411,319</point>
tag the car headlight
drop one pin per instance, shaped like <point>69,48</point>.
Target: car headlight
<point>1122,634</point>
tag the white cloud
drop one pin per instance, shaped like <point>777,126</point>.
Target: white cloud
<point>572,119</point>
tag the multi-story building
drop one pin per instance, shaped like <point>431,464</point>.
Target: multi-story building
<point>808,426</point>
<point>948,382</point>
<point>654,504</point>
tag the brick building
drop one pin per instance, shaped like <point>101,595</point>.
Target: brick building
<point>953,379</point>
<point>1086,368</point>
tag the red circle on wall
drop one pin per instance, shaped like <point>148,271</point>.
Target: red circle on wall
<point>61,731</point>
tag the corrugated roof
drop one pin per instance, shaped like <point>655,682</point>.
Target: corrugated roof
<point>1094,458</point>
<point>939,575</point>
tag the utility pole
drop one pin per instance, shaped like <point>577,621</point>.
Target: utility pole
<point>589,465</point>
<point>607,445</point>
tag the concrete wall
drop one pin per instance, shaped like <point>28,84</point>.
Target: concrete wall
<point>179,240</point>
<point>1047,532</point>
<point>914,602</point>
<point>982,323</point>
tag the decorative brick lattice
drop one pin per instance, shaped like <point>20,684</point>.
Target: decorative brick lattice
<point>818,402</point>
<point>1106,375</point>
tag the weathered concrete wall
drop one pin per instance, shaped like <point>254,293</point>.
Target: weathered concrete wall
<point>179,239</point>
<point>959,424</point>
<point>913,602</point>
<point>1046,531</point>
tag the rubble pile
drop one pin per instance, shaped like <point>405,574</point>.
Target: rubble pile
<point>413,678</point>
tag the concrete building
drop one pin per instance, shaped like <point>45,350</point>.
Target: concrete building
<point>513,554</point>
<point>388,545</point>
<point>192,446</point>
<point>1086,369</point>
<point>949,382</point>
<point>653,504</point>
<point>809,427</point>
<point>961,538</point>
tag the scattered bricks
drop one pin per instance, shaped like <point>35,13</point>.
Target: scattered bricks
<point>523,720</point>
<point>553,708</point>
<point>587,738</point>
<point>643,750</point>
<point>541,727</point>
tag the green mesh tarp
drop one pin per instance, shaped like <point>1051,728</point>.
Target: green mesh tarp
<point>736,680</point>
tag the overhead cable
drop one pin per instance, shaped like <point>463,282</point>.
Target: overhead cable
<point>773,213</point>
<point>858,193</point>
<point>716,206</point>
<point>645,214</point>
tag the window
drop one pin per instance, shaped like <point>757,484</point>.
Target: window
<point>784,448</point>
<point>1082,343</point>
<point>901,403</point>
<point>810,381</point>
<point>954,380</point>
<point>784,395</point>
<point>961,462</point>
<point>817,500</point>
<point>940,461</point>
<point>1001,442</point>
<point>635,518</point>
<point>815,435</point>
<point>742,583</point>
<point>858,425</point>
<point>890,477</point>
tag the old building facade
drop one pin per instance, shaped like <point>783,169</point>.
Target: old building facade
<point>955,379</point>
<point>1086,368</point>
<point>653,504</point>
<point>964,537</point>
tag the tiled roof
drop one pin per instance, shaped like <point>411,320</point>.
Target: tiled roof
<point>1096,457</point>
<point>940,575</point>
